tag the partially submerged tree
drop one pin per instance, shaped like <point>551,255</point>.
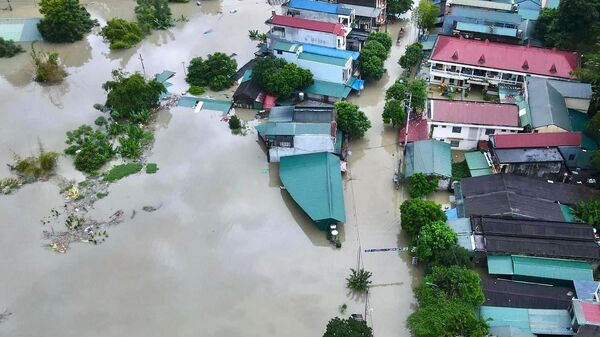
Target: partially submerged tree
<point>121,33</point>
<point>279,78</point>
<point>130,95</point>
<point>416,87</point>
<point>373,55</point>
<point>393,113</point>
<point>64,20</point>
<point>371,67</point>
<point>48,68</point>
<point>453,256</point>
<point>338,327</point>
<point>382,37</point>
<point>434,238</point>
<point>457,283</point>
<point>420,185</point>
<point>153,14</point>
<point>35,167</point>
<point>235,123</point>
<point>8,48</point>
<point>426,13</point>
<point>415,213</point>
<point>91,148</point>
<point>217,71</point>
<point>359,280</point>
<point>351,120</point>
<point>398,7</point>
<point>412,56</point>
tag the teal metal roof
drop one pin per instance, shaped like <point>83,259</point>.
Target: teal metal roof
<point>164,76</point>
<point>339,137</point>
<point>500,316</point>
<point>500,265</point>
<point>207,104</point>
<point>529,14</point>
<point>478,165</point>
<point>323,59</point>
<point>292,129</point>
<point>430,157</point>
<point>286,46</point>
<point>568,213</point>
<point>247,76</point>
<point>462,228</point>
<point>314,181</point>
<point>550,322</point>
<point>20,30</point>
<point>509,331</point>
<point>485,29</point>
<point>579,121</point>
<point>330,89</point>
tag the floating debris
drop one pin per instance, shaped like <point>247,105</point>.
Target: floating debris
<point>151,208</point>
<point>4,316</point>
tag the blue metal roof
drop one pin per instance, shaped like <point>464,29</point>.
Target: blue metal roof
<point>585,290</point>
<point>319,6</point>
<point>20,30</point>
<point>325,51</point>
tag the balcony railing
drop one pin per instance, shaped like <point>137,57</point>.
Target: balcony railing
<point>470,74</point>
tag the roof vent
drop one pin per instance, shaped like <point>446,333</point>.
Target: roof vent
<point>487,41</point>
<point>482,59</point>
<point>455,55</point>
<point>553,69</point>
<point>525,65</point>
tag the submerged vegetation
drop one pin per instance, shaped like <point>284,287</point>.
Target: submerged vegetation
<point>29,170</point>
<point>8,48</point>
<point>48,68</point>
<point>359,280</point>
<point>122,171</point>
<point>217,71</point>
<point>153,14</point>
<point>121,34</point>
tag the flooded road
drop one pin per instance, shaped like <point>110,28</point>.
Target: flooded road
<point>228,253</point>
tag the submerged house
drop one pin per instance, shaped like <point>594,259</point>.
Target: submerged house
<point>314,181</point>
<point>298,30</point>
<point>432,158</point>
<point>319,11</point>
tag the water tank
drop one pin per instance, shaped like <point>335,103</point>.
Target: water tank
<point>301,96</point>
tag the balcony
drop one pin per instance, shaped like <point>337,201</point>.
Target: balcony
<point>474,74</point>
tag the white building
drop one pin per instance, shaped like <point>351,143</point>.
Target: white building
<point>464,124</point>
<point>462,63</point>
<point>298,30</point>
<point>319,11</point>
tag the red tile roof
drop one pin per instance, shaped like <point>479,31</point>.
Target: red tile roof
<point>591,312</point>
<point>479,113</point>
<point>523,59</point>
<point>542,139</point>
<point>417,130</point>
<point>319,26</point>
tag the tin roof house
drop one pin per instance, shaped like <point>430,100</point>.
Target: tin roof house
<point>430,157</point>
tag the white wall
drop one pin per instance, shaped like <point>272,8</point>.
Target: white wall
<point>317,38</point>
<point>321,71</point>
<point>469,134</point>
<point>303,144</point>
<point>320,16</point>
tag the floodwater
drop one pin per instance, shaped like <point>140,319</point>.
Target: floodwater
<point>228,253</point>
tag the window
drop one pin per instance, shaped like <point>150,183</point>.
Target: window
<point>443,126</point>
<point>437,78</point>
<point>279,52</point>
<point>455,143</point>
<point>571,157</point>
<point>503,130</point>
<point>456,129</point>
<point>489,131</point>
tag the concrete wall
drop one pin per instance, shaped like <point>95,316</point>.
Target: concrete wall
<point>578,104</point>
<point>318,16</point>
<point>313,37</point>
<point>469,135</point>
<point>321,71</point>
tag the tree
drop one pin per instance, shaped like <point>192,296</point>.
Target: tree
<point>91,148</point>
<point>545,23</point>
<point>578,21</point>
<point>595,159</point>
<point>131,145</point>
<point>235,123</point>
<point>398,90</point>
<point>589,212</point>
<point>434,238</point>
<point>8,48</point>
<point>384,38</point>
<point>279,78</point>
<point>397,7</point>
<point>415,213</point>
<point>393,112</point>
<point>590,73</point>
<point>420,185</point>
<point>64,20</point>
<point>121,33</point>
<point>371,67</point>
<point>374,47</point>
<point>458,283</point>
<point>350,327</point>
<point>217,71</point>
<point>412,56</point>
<point>593,127</point>
<point>426,13</point>
<point>454,256</point>
<point>153,14</point>
<point>416,87</point>
<point>130,95</point>
<point>359,280</point>
<point>352,121</point>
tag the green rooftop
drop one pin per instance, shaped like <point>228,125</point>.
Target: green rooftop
<point>430,157</point>
<point>330,89</point>
<point>314,181</point>
<point>286,46</point>
<point>579,121</point>
<point>568,213</point>
<point>323,59</point>
<point>540,268</point>
<point>478,165</point>
<point>536,321</point>
<point>292,129</point>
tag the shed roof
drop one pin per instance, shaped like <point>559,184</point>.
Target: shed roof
<point>515,294</point>
<point>555,248</point>
<point>301,114</point>
<point>536,321</point>
<point>291,129</point>
<point>314,181</point>
<point>368,12</point>
<point>478,164</point>
<point>540,267</point>
<point>509,331</point>
<point>547,105</point>
<point>532,140</point>
<point>528,155</point>
<point>479,113</point>
<point>585,289</point>
<point>587,312</point>
<point>486,29</point>
<point>511,204</point>
<point>323,59</point>
<point>286,46</point>
<point>482,4</point>
<point>418,129</point>
<point>540,61</point>
<point>320,6</point>
<point>430,157</point>
<point>505,226</point>
<point>319,26</point>
<point>330,89</point>
<point>247,90</point>
<point>462,228</point>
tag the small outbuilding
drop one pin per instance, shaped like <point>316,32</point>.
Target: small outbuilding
<point>430,157</point>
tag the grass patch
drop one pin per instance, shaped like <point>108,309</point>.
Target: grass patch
<point>122,171</point>
<point>151,168</point>
<point>460,170</point>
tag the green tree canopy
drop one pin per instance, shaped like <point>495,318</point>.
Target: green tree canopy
<point>434,238</point>
<point>426,13</point>
<point>351,120</point>
<point>153,14</point>
<point>457,282</point>
<point>412,56</point>
<point>121,33</point>
<point>589,212</point>
<point>545,23</point>
<point>338,327</point>
<point>420,185</point>
<point>279,78</point>
<point>64,20</point>
<point>91,149</point>
<point>374,47</point>
<point>398,7</point>
<point>384,38</point>
<point>371,67</point>
<point>393,113</point>
<point>414,213</point>
<point>129,95</point>
<point>217,71</point>
<point>453,256</point>
<point>416,87</point>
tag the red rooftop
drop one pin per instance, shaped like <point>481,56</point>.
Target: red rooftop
<point>319,26</point>
<point>532,140</point>
<point>522,59</point>
<point>479,113</point>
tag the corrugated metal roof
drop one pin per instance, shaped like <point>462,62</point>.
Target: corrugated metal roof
<point>462,228</point>
<point>323,59</point>
<point>533,140</point>
<point>333,52</point>
<point>478,165</point>
<point>534,155</point>
<point>428,157</point>
<point>486,29</point>
<point>500,265</point>
<point>501,316</point>
<point>482,4</point>
<point>418,129</point>
<point>509,331</point>
<point>515,294</point>
<point>290,129</point>
<point>319,26</point>
<point>556,269</point>
<point>529,14</point>
<point>478,113</point>
<point>536,228</point>
<point>314,181</point>
<point>330,89</point>
<point>553,248</point>
<point>481,16</point>
<point>286,46</point>
<point>586,312</point>
<point>550,322</point>
<point>547,105</point>
<point>368,12</point>
<point>320,6</point>
<point>586,289</point>
<point>547,62</point>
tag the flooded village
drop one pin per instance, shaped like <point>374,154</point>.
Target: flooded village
<point>454,171</point>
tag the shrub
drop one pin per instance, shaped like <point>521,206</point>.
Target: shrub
<point>415,213</point>
<point>121,33</point>
<point>460,170</point>
<point>196,90</point>
<point>151,168</point>
<point>8,48</point>
<point>90,148</point>
<point>235,123</point>
<point>131,96</point>
<point>350,327</point>
<point>132,144</point>
<point>122,171</point>
<point>48,68</point>
<point>217,71</point>
<point>588,211</point>
<point>434,238</point>
<point>457,282</point>
<point>100,121</point>
<point>38,166</point>
<point>153,14</point>
<point>351,120</point>
<point>358,280</point>
<point>420,185</point>
<point>64,20</point>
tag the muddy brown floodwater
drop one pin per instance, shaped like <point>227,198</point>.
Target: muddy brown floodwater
<point>228,253</point>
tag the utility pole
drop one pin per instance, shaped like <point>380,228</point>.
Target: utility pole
<point>407,119</point>
<point>143,68</point>
<point>9,5</point>
<point>183,65</point>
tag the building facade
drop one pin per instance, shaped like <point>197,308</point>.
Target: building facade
<point>319,11</point>
<point>293,29</point>
<point>370,14</point>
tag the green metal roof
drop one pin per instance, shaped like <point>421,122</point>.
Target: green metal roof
<point>314,181</point>
<point>323,59</point>
<point>485,29</point>
<point>286,46</point>
<point>568,213</point>
<point>330,89</point>
<point>536,321</point>
<point>500,316</point>
<point>164,76</point>
<point>292,129</point>
<point>579,121</point>
<point>247,76</point>
<point>430,157</point>
<point>483,4</point>
<point>538,267</point>
<point>462,228</point>
<point>478,165</point>
<point>500,265</point>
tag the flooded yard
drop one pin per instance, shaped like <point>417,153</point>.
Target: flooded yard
<point>228,253</point>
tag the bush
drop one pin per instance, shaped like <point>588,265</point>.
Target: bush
<point>151,168</point>
<point>589,212</point>
<point>460,170</point>
<point>122,171</point>
<point>278,78</point>
<point>235,123</point>
<point>393,113</point>
<point>132,144</point>
<point>39,166</point>
<point>352,121</point>
<point>64,20</point>
<point>420,185</point>
<point>153,14</point>
<point>196,90</point>
<point>217,71</point>
<point>130,97</point>
<point>415,213</point>
<point>48,68</point>
<point>358,280</point>
<point>350,327</point>
<point>100,121</point>
<point>434,238</point>
<point>91,148</point>
<point>121,33</point>
<point>8,48</point>
<point>458,283</point>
